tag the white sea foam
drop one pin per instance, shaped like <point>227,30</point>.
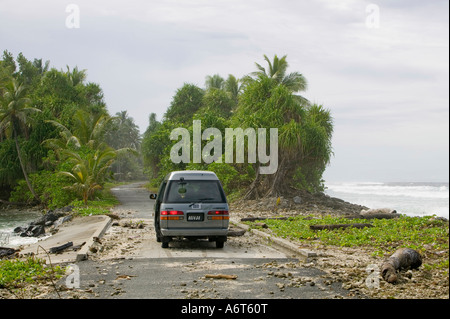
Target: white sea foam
<point>381,189</point>
<point>407,198</point>
<point>13,218</point>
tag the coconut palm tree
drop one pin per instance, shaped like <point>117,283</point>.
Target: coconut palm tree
<point>15,114</point>
<point>87,152</point>
<point>75,76</point>
<point>215,81</point>
<point>88,173</point>
<point>276,70</point>
<point>233,87</point>
<point>89,129</point>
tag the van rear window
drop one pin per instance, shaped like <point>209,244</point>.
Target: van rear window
<point>194,191</point>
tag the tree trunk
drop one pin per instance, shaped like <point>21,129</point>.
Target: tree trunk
<point>23,167</point>
<point>252,193</point>
<point>403,258</point>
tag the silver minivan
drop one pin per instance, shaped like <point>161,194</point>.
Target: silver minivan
<point>193,205</point>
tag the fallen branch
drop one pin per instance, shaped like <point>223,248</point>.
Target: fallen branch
<point>337,226</point>
<point>221,276</point>
<point>252,219</point>
<point>403,258</point>
<point>57,249</point>
<point>374,216</point>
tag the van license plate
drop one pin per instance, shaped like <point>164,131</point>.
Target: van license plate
<point>195,217</point>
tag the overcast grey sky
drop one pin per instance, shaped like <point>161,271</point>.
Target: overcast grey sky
<point>381,67</point>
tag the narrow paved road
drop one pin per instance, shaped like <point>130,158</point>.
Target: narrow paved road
<point>145,270</point>
<point>135,204</point>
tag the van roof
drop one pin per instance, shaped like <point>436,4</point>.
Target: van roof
<point>191,175</point>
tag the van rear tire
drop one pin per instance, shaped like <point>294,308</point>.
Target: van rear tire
<point>165,241</point>
<point>219,244</point>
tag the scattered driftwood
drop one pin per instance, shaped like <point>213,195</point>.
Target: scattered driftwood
<point>221,276</point>
<point>337,226</point>
<point>252,219</point>
<point>403,258</point>
<point>378,213</point>
<point>374,216</point>
<point>58,249</point>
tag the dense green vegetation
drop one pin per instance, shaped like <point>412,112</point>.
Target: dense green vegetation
<point>266,98</point>
<point>58,143</point>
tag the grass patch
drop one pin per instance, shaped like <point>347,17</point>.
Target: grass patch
<point>17,273</point>
<point>102,204</point>
<point>150,187</point>
<point>386,236</point>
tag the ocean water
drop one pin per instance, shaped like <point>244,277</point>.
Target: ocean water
<point>412,199</point>
<point>10,219</point>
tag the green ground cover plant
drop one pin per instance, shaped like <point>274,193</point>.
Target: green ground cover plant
<point>16,273</point>
<point>386,235</point>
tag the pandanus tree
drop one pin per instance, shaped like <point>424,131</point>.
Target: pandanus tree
<point>15,113</point>
<point>304,130</point>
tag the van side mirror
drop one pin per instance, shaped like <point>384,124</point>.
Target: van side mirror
<point>152,196</point>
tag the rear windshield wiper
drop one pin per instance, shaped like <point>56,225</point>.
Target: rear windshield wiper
<point>200,200</point>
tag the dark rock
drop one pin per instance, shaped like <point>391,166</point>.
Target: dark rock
<point>19,229</point>
<point>66,209</point>
<point>5,251</point>
<point>40,221</point>
<point>37,231</point>
<point>33,231</point>
<point>62,220</point>
<point>52,217</point>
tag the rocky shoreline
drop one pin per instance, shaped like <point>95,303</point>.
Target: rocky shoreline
<point>302,203</point>
<point>48,222</point>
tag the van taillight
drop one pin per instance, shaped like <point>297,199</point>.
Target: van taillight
<point>172,215</point>
<point>218,215</point>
